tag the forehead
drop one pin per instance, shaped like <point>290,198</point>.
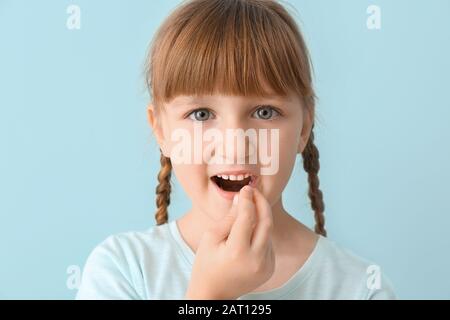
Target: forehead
<point>200,99</point>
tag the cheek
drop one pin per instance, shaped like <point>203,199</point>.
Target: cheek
<point>192,178</point>
<point>273,185</point>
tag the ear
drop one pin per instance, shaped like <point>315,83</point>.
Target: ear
<point>308,121</point>
<point>154,122</point>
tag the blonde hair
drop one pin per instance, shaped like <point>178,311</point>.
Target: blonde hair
<point>232,47</point>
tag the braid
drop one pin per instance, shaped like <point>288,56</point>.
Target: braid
<point>163,190</point>
<point>312,166</point>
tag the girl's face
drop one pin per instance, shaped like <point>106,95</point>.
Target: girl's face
<point>219,143</point>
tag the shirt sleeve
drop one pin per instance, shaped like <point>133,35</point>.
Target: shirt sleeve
<point>106,275</point>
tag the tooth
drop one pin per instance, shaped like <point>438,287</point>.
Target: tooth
<point>246,175</point>
<point>220,176</point>
<point>240,177</point>
<point>224,176</point>
<point>232,177</point>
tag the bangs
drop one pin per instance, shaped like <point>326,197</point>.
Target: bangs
<point>234,47</point>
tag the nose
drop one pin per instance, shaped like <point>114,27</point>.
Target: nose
<point>239,141</point>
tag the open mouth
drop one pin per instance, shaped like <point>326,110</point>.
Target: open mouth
<point>233,183</point>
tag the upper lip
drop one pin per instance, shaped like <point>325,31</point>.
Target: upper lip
<point>235,173</point>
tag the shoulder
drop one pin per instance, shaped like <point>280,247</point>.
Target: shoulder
<point>113,270</point>
<point>353,273</point>
<point>132,243</point>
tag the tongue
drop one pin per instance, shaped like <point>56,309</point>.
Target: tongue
<point>230,185</point>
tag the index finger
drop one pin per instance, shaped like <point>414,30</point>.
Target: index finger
<point>241,232</point>
<point>263,230</point>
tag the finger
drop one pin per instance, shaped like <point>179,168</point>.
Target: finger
<point>234,205</point>
<point>232,214</point>
<point>263,230</point>
<point>241,231</point>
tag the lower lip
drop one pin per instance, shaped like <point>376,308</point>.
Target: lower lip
<point>229,195</point>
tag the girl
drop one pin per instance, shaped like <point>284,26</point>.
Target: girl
<point>234,65</point>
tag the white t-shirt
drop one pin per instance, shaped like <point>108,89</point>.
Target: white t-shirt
<point>157,263</point>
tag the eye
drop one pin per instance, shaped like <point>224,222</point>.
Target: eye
<point>266,112</point>
<point>200,115</point>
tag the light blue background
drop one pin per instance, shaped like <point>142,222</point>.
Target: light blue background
<point>78,162</point>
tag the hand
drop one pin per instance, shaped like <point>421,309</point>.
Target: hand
<point>235,256</point>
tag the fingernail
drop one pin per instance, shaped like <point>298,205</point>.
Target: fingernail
<point>235,199</point>
<point>247,188</point>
